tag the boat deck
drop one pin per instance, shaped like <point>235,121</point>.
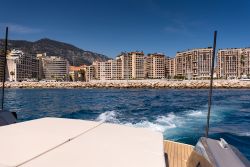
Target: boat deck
<point>176,154</point>
<point>70,142</point>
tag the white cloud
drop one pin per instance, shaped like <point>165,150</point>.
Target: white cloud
<point>20,29</point>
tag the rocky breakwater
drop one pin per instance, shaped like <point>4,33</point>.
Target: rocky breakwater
<point>187,84</point>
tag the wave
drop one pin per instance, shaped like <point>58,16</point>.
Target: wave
<point>161,123</point>
<point>244,134</point>
<point>108,116</point>
<point>149,125</point>
<point>195,113</point>
<point>169,121</point>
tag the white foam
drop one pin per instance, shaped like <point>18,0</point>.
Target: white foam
<point>168,121</point>
<point>161,124</point>
<point>244,134</point>
<point>147,124</point>
<point>195,113</point>
<point>108,116</point>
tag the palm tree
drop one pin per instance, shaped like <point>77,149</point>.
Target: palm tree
<point>242,63</point>
<point>52,76</point>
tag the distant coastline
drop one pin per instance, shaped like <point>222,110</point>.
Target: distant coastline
<point>186,84</point>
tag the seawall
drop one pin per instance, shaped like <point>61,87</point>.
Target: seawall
<point>187,84</point>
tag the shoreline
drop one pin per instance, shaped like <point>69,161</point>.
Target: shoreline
<point>119,84</point>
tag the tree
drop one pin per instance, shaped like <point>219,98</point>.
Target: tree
<point>70,78</point>
<point>65,77</point>
<point>147,75</point>
<point>181,77</point>
<point>242,59</point>
<point>12,73</point>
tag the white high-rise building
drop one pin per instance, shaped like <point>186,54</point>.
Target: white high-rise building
<point>155,66</point>
<point>55,68</point>
<point>233,63</point>
<point>130,65</point>
<point>194,64</point>
<point>21,66</point>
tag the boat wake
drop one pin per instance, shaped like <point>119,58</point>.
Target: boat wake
<point>196,113</point>
<point>244,134</point>
<point>159,123</point>
<point>108,116</point>
<point>173,125</point>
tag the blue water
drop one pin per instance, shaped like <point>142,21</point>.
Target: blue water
<point>179,114</point>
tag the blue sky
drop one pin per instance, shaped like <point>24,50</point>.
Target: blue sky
<point>112,26</point>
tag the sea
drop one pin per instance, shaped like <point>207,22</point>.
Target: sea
<point>180,115</point>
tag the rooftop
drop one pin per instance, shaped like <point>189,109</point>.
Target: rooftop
<point>76,68</point>
<point>194,49</point>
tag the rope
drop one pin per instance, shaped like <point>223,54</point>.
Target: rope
<point>61,144</point>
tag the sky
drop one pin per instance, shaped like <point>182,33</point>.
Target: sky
<point>113,26</point>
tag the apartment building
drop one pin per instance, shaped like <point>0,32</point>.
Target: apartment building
<point>124,63</point>
<point>245,62</point>
<point>233,63</point>
<point>109,70</point>
<point>77,73</point>
<point>155,66</point>
<point>130,65</point>
<point>55,68</point>
<point>73,73</point>
<point>104,70</point>
<point>1,66</point>
<point>92,72</point>
<point>167,59</point>
<point>40,65</point>
<point>125,66</point>
<point>194,64</point>
<point>117,69</point>
<point>171,68</point>
<point>137,59</point>
<point>21,66</point>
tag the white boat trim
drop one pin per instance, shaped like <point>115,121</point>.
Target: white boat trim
<point>67,142</point>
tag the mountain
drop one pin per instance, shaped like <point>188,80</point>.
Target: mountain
<point>74,55</point>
